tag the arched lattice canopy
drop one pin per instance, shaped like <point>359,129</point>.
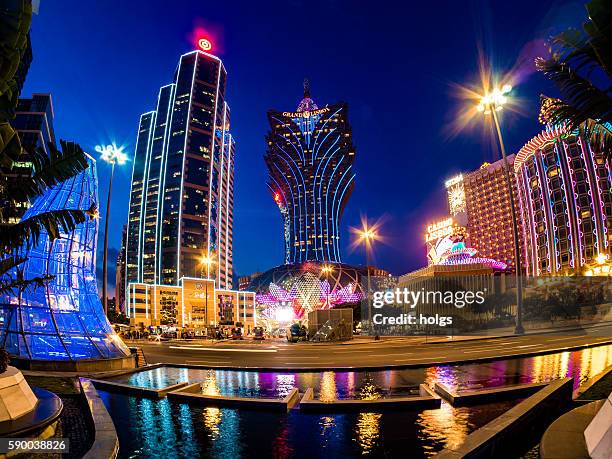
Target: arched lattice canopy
<point>63,320</point>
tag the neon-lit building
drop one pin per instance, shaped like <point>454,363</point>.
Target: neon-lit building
<point>489,216</point>
<point>310,157</point>
<point>289,292</point>
<point>566,205</point>
<point>63,320</point>
<point>181,201</point>
<point>437,236</point>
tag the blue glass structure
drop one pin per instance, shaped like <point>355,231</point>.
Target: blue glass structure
<point>63,320</point>
<point>310,158</point>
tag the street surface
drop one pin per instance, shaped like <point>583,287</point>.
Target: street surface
<point>364,352</point>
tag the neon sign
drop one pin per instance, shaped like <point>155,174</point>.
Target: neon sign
<point>204,44</point>
<point>439,229</point>
<point>306,114</point>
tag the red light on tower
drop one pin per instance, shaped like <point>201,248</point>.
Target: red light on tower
<point>277,197</point>
<point>204,44</point>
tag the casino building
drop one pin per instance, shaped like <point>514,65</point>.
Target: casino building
<point>181,202</point>
<point>310,157</point>
<point>566,205</point>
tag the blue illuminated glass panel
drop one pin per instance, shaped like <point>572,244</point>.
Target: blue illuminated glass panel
<point>63,320</point>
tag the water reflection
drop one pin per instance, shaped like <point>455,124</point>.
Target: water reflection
<point>212,419</point>
<point>329,385</point>
<point>161,428</point>
<point>327,390</point>
<point>367,431</point>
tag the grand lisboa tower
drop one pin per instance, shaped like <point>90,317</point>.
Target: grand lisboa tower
<point>310,156</point>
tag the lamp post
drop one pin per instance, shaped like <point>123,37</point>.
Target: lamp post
<point>326,271</point>
<point>367,236</point>
<point>490,104</point>
<point>112,155</point>
<point>206,261</point>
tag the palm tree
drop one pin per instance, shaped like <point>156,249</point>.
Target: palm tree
<point>578,58</point>
<point>47,170</point>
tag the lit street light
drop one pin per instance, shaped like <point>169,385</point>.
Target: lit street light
<point>207,261</point>
<point>367,235</point>
<point>490,104</point>
<point>326,271</point>
<point>112,155</point>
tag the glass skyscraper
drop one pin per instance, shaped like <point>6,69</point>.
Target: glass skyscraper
<point>310,157</point>
<point>181,202</point>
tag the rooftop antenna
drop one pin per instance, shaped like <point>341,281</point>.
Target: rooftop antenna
<point>306,88</point>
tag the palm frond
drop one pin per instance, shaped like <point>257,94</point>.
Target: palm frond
<point>27,232</point>
<point>586,100</point>
<point>10,146</point>
<point>591,49</point>
<point>19,285</point>
<point>9,263</point>
<point>555,111</point>
<point>49,170</point>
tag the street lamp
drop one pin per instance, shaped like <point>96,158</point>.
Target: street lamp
<point>112,155</point>
<point>326,271</point>
<point>206,261</point>
<point>367,235</point>
<point>490,104</point>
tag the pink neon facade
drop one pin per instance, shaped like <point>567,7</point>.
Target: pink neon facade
<point>565,203</point>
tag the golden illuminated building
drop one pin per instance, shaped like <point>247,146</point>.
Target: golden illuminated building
<point>489,217</point>
<point>194,303</point>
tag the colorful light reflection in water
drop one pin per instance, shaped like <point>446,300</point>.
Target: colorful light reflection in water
<point>177,430</point>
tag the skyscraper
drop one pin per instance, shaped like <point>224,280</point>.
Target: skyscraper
<point>120,274</point>
<point>34,125</point>
<point>181,202</point>
<point>565,204</point>
<point>489,219</point>
<point>310,157</point>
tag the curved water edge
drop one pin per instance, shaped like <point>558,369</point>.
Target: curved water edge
<point>164,428</point>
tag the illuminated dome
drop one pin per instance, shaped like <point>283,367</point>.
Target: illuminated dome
<point>289,292</point>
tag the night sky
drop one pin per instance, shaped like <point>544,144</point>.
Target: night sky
<point>393,62</point>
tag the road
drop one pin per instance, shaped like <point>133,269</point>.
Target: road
<point>365,353</point>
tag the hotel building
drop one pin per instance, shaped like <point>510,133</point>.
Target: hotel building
<point>181,201</point>
<point>194,303</point>
<point>488,213</point>
<point>310,157</point>
<point>566,205</point>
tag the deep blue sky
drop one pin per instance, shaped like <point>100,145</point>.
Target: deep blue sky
<point>393,62</point>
